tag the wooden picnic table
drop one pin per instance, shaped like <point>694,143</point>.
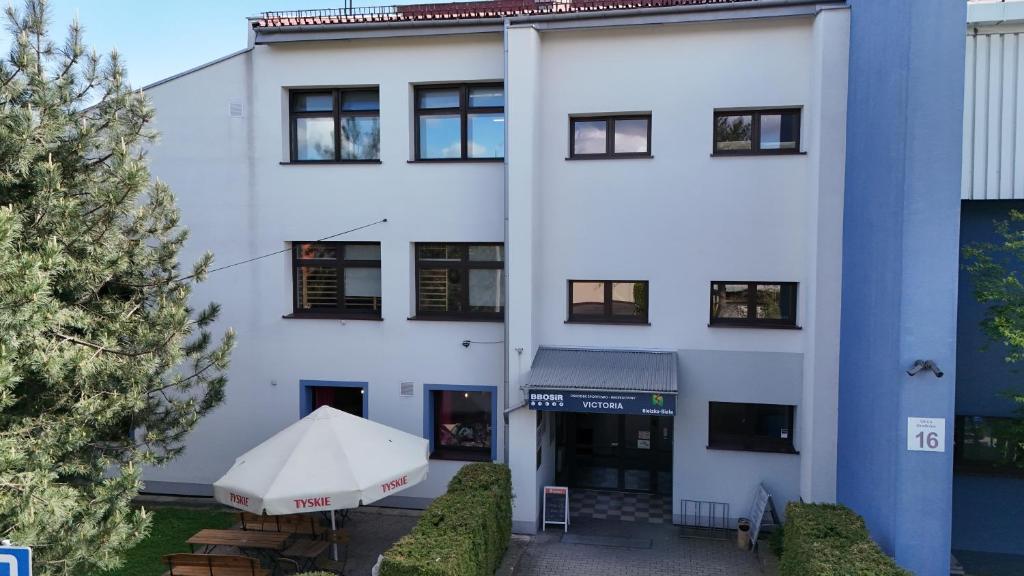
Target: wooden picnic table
<point>243,539</point>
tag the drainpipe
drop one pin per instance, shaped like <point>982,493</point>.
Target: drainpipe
<point>507,348</point>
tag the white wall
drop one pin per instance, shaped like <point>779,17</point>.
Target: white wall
<point>683,219</point>
<point>240,201</point>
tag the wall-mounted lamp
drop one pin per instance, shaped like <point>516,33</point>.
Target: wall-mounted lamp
<point>920,365</point>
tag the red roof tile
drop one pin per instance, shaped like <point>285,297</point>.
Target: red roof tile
<point>458,11</point>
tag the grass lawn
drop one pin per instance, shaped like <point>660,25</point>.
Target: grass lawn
<point>171,527</point>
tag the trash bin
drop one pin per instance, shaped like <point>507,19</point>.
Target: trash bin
<point>743,534</point>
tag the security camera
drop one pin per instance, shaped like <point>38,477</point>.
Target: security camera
<point>917,367</point>
<point>929,365</point>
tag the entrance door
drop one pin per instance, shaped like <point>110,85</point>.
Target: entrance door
<point>619,452</point>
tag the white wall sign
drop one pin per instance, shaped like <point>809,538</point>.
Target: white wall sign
<point>926,434</point>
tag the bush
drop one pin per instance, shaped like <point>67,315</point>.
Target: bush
<point>831,540</point>
<point>463,533</point>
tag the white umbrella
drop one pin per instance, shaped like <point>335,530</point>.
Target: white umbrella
<point>327,461</point>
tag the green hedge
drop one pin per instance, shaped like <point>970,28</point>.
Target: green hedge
<point>831,540</point>
<point>463,533</point>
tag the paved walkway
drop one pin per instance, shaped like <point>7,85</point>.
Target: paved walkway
<point>614,548</point>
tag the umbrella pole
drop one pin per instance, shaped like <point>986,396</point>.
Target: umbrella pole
<point>334,532</point>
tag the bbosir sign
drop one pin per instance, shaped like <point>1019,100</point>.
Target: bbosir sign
<point>645,403</point>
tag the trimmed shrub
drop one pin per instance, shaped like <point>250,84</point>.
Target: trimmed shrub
<point>831,540</point>
<point>463,533</point>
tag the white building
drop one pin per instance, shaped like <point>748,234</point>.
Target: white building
<point>672,185</point>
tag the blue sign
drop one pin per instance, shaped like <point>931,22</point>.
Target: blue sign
<point>15,561</point>
<point>643,403</point>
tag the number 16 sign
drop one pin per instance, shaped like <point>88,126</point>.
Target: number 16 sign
<point>926,434</point>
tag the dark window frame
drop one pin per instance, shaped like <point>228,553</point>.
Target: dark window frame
<point>976,467</point>
<point>609,144</point>
<point>752,320</point>
<point>607,317</point>
<point>465,265</point>
<point>336,114</point>
<point>463,110</point>
<point>459,453</point>
<point>752,442</point>
<point>755,131</point>
<point>339,264</point>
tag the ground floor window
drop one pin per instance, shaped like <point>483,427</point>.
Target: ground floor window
<point>344,396</point>
<point>461,423</point>
<point>988,444</point>
<point>758,427</point>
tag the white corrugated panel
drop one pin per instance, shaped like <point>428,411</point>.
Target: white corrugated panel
<point>993,155</point>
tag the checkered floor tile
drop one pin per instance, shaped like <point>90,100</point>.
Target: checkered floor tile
<point>624,506</point>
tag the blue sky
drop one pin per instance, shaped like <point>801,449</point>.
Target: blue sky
<point>159,38</point>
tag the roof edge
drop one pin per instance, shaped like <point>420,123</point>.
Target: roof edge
<point>195,69</point>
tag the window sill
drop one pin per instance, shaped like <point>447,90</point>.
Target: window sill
<point>757,153</point>
<point>612,157</point>
<point>607,322</point>
<point>450,160</point>
<point>455,319</point>
<point>326,162</point>
<point>759,450</point>
<point>333,317</point>
<point>461,456</point>
<point>752,325</point>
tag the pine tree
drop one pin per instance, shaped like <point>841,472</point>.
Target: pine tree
<point>104,367</point>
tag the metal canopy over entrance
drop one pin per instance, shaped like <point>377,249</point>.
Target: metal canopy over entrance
<point>604,381</point>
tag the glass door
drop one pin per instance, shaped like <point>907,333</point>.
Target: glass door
<point>595,441</point>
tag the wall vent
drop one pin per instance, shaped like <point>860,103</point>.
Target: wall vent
<point>407,389</point>
<point>236,109</point>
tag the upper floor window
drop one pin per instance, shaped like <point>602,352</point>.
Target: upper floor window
<point>618,136</point>
<point>608,301</point>
<point>337,279</point>
<point>769,304</point>
<point>987,444</point>
<point>335,125</point>
<point>460,122</point>
<point>757,131</point>
<point>459,280</point>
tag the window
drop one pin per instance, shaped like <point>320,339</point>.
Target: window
<point>345,398</point>
<point>462,423</point>
<point>757,131</point>
<point>335,125</point>
<point>987,444</point>
<point>457,280</point>
<point>610,136</point>
<point>764,304</point>
<point>616,301</point>
<point>757,427</point>
<point>337,279</point>
<point>461,122</point>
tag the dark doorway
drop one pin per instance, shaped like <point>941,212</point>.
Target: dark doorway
<point>346,399</point>
<point>616,452</point>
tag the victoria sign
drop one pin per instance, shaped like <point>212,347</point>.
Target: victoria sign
<point>644,403</point>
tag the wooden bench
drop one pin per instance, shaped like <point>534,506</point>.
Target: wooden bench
<point>305,552</point>
<point>304,524</point>
<point>212,565</point>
